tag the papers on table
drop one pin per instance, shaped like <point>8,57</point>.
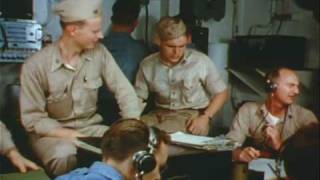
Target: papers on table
<point>219,143</point>
<point>268,166</point>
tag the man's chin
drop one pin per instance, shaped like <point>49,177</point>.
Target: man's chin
<point>289,102</point>
<point>91,46</point>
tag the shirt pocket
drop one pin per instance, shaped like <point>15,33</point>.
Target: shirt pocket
<point>89,94</point>
<point>189,90</point>
<point>59,106</point>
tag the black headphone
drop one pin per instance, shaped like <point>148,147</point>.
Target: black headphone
<point>144,160</point>
<point>270,85</point>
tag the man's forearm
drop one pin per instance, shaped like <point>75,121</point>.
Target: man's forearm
<point>64,133</point>
<point>216,103</point>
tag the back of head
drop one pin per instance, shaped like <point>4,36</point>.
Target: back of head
<point>170,28</point>
<point>125,137</point>
<point>125,12</point>
<point>301,154</point>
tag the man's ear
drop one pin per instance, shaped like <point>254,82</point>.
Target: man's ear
<point>189,38</point>
<point>157,40</point>
<point>71,29</point>
<point>132,170</point>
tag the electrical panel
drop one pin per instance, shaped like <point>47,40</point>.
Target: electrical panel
<point>19,39</point>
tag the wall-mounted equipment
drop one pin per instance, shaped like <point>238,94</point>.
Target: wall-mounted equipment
<point>16,9</point>
<point>203,9</point>
<point>19,39</point>
<point>206,9</point>
<point>267,51</point>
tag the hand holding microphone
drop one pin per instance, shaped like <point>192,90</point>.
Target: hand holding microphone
<point>272,134</point>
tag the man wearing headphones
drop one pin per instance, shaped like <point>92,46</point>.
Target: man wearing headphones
<point>131,150</point>
<point>271,122</point>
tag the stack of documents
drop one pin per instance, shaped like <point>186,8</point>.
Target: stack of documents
<point>269,167</point>
<point>219,143</point>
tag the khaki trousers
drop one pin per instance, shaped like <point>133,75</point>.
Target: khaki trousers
<point>170,120</point>
<point>58,155</point>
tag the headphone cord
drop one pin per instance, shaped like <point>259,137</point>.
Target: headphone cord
<point>138,176</point>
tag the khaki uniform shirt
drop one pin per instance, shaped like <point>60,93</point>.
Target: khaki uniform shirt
<point>54,95</point>
<point>250,121</point>
<point>189,84</point>
<point>6,142</point>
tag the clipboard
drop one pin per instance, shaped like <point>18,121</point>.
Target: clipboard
<point>91,144</point>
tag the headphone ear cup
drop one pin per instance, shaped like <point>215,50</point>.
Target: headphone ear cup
<point>144,162</point>
<point>270,86</point>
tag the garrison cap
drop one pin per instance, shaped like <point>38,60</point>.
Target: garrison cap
<point>78,10</point>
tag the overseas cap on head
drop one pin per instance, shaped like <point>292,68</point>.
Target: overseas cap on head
<point>170,28</point>
<point>78,10</point>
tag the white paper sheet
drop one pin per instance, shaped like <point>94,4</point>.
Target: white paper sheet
<point>219,143</point>
<point>263,165</point>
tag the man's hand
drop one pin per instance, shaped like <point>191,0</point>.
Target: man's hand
<point>21,162</point>
<point>245,155</point>
<point>273,138</point>
<point>65,133</point>
<point>199,125</point>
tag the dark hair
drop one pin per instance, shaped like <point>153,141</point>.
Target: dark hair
<point>125,137</point>
<point>125,12</point>
<point>301,153</point>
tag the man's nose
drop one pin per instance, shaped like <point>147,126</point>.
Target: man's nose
<point>100,35</point>
<point>296,90</point>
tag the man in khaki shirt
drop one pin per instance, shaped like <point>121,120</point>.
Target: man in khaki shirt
<point>8,149</point>
<point>268,124</point>
<point>59,87</point>
<point>187,86</point>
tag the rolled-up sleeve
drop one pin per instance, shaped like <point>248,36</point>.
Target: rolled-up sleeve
<point>213,80</point>
<point>141,85</point>
<point>6,142</point>
<point>239,129</point>
<point>34,116</point>
<point>125,95</point>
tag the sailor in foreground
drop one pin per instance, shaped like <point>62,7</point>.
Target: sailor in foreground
<point>131,150</point>
<point>59,86</point>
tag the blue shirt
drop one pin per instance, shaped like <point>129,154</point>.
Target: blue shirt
<point>97,171</point>
<point>128,53</point>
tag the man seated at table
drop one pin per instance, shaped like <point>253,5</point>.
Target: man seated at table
<point>131,150</point>
<point>187,86</point>
<point>267,124</point>
<point>9,150</point>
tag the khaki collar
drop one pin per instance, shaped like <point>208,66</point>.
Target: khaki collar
<point>263,111</point>
<point>57,60</point>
